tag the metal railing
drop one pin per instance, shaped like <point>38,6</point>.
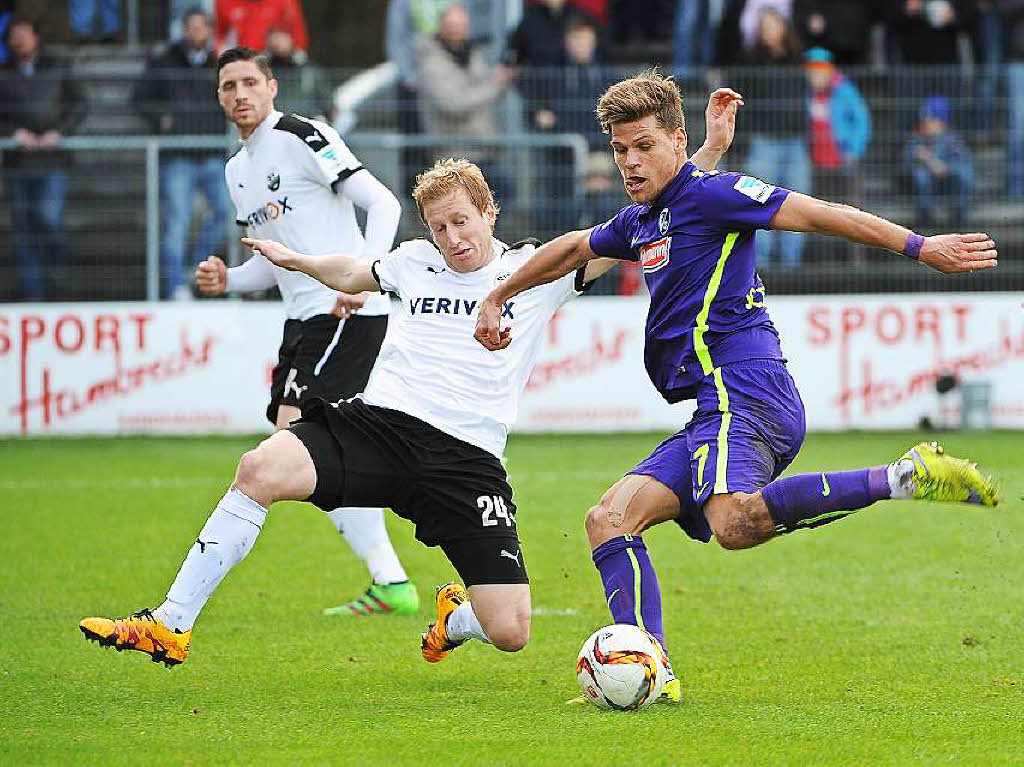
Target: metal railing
<point>555,177</point>
<point>381,152</point>
<point>151,146</point>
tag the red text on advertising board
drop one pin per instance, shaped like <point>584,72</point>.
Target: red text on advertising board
<point>860,333</point>
<point>41,390</point>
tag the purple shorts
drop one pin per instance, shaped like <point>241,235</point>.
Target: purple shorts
<point>748,428</point>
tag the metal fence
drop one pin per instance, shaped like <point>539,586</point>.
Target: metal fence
<point>552,171</point>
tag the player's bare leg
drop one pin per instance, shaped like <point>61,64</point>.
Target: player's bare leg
<point>739,520</point>
<point>280,468</point>
<point>632,505</point>
<point>495,613</point>
<point>390,592</point>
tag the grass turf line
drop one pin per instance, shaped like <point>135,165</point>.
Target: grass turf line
<point>894,636</point>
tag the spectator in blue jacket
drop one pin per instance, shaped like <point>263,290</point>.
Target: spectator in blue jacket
<point>840,127</point>
<point>940,167</point>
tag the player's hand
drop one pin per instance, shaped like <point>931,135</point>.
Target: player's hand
<point>212,276</point>
<point>954,253</point>
<point>274,252</point>
<point>720,118</point>
<point>348,304</point>
<point>488,331</point>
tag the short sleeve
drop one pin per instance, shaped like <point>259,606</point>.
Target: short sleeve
<point>334,160</point>
<point>731,201</point>
<point>389,270</point>
<point>569,287</point>
<point>612,239</point>
<point>324,156</point>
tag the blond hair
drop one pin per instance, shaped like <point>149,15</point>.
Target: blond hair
<point>648,93</point>
<point>449,175</point>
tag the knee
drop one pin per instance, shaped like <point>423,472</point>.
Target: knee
<point>596,517</point>
<point>598,524</point>
<point>251,475</point>
<point>743,523</point>
<point>510,637</point>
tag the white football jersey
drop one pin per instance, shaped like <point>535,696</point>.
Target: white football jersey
<point>283,184</point>
<point>431,367</point>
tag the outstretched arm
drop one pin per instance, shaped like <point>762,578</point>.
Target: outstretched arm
<point>720,127</point>
<point>947,253</point>
<point>383,212</point>
<point>336,271</point>
<point>552,260</point>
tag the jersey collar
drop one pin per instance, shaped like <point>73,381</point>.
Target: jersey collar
<point>263,129</point>
<point>671,189</point>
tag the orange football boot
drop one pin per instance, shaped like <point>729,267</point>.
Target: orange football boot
<point>436,644</point>
<point>143,632</point>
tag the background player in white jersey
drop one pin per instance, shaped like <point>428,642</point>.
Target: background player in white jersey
<point>425,439</point>
<point>296,181</point>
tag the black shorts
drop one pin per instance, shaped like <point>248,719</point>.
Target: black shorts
<point>455,493</point>
<point>324,357</point>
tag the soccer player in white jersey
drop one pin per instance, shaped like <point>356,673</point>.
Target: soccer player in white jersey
<point>295,180</point>
<point>425,438</point>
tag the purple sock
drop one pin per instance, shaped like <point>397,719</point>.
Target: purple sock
<point>630,584</point>
<point>811,500</point>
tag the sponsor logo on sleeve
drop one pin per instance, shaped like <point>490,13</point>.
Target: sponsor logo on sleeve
<point>655,255</point>
<point>754,188</point>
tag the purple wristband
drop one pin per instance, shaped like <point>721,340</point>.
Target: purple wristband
<point>912,249</point>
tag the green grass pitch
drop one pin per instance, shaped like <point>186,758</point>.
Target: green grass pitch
<point>894,636</point>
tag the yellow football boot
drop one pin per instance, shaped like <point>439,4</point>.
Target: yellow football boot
<point>671,693</point>
<point>142,632</point>
<point>937,476</point>
<point>436,645</point>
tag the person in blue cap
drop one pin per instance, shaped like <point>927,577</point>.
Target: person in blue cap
<point>940,167</point>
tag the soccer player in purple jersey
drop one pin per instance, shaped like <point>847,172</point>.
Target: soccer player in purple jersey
<point>709,338</point>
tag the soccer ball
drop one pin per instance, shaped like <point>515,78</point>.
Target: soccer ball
<point>621,667</point>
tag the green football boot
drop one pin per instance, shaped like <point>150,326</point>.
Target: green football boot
<point>382,599</point>
<point>937,476</point>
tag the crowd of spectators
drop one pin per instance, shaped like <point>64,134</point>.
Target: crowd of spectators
<point>803,64</point>
<point>42,102</point>
<point>807,124</point>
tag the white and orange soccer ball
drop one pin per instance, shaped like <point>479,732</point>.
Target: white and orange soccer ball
<point>621,667</point>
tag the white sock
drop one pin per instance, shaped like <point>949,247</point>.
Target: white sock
<point>900,475</point>
<point>462,624</point>
<point>225,540</point>
<point>365,532</point>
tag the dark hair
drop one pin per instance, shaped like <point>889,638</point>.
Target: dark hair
<point>195,10</point>
<point>231,55</point>
<point>578,21</point>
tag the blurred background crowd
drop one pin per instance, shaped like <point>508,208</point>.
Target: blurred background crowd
<point>113,144</point>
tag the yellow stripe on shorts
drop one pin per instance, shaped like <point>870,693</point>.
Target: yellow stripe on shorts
<point>722,459</point>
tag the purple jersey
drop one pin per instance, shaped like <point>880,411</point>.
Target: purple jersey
<point>696,246</point>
